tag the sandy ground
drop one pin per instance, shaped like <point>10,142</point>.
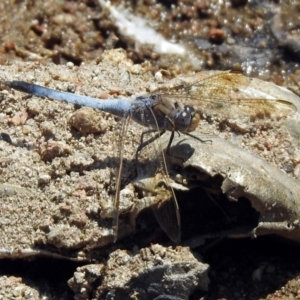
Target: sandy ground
<point>58,176</point>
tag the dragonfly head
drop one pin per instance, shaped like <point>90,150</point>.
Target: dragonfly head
<point>187,119</point>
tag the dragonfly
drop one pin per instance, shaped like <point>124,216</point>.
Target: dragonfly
<point>175,109</point>
<point>151,111</point>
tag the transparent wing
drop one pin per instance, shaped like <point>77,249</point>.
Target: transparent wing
<point>122,138</point>
<point>166,208</point>
<point>228,94</point>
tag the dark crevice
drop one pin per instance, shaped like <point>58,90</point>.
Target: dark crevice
<point>49,276</point>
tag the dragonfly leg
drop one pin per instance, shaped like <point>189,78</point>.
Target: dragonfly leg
<point>169,144</point>
<point>168,151</point>
<point>186,133</point>
<point>144,144</point>
<point>196,138</point>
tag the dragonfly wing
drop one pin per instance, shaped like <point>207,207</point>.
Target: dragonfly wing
<point>166,207</point>
<point>121,139</point>
<point>166,211</point>
<point>230,95</point>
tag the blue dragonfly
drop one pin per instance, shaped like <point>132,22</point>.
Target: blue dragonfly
<point>153,112</point>
<point>175,109</point>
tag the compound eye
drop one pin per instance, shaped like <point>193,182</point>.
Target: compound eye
<point>194,122</point>
<point>189,109</point>
<point>184,118</point>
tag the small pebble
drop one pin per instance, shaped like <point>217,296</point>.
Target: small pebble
<point>216,36</point>
<point>44,179</point>
<point>70,64</point>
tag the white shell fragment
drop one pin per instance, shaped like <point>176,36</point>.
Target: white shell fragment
<point>272,193</point>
